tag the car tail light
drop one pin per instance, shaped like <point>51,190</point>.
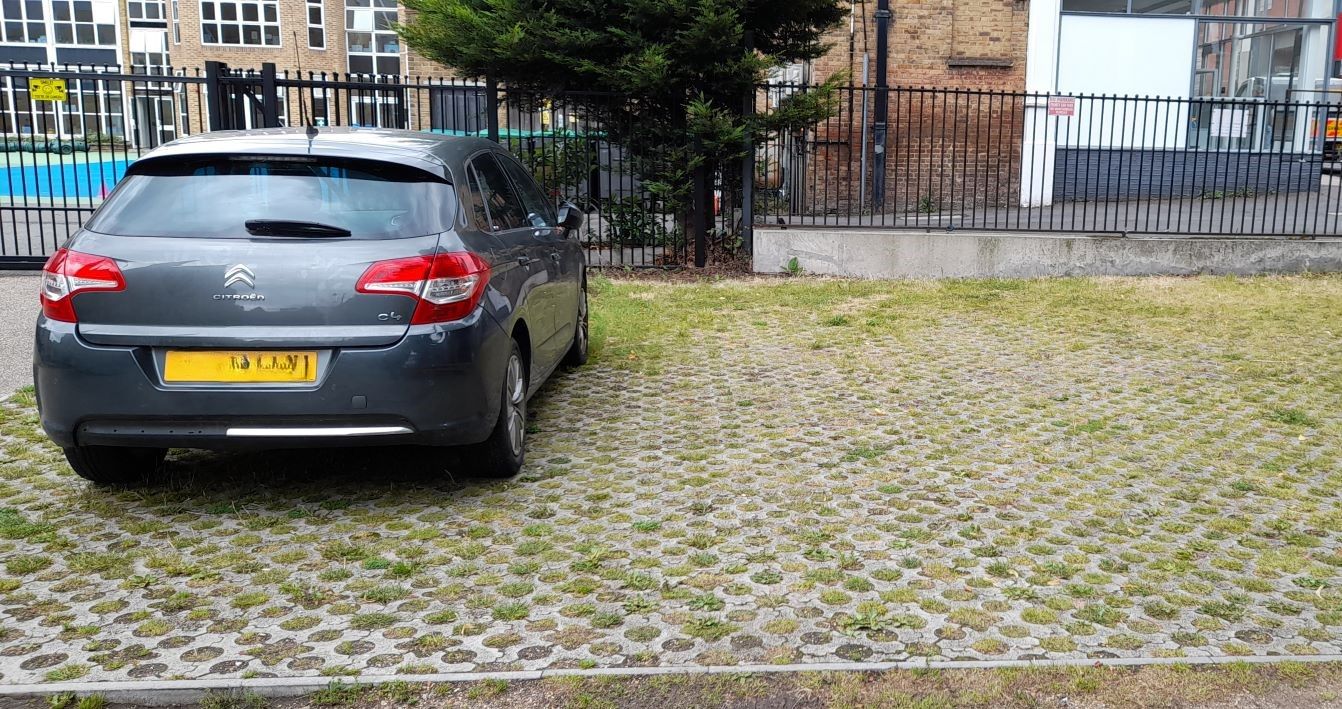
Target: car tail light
<point>446,287</point>
<point>68,273</point>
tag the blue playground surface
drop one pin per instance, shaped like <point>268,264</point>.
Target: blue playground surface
<point>60,179</point>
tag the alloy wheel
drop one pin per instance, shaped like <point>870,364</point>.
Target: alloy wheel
<point>582,323</point>
<point>516,391</point>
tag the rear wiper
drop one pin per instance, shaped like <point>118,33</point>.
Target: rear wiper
<point>289,227</point>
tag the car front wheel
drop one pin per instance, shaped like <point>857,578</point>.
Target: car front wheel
<point>501,455</point>
<point>109,465</point>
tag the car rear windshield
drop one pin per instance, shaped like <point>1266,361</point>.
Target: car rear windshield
<point>216,196</point>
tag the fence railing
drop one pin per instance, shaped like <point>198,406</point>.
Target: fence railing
<point>63,158</point>
<point>951,159</point>
<point>988,160</point>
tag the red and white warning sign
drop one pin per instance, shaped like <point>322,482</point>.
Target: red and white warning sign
<point>1061,106</point>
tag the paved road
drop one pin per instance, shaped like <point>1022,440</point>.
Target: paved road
<point>18,309</point>
<point>829,472</point>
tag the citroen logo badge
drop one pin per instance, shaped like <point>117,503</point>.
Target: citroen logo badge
<point>239,274</point>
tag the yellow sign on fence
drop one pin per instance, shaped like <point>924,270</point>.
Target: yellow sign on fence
<point>47,89</point>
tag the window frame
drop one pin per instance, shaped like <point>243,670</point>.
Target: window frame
<point>475,196</point>
<point>141,5</point>
<point>73,24</point>
<point>372,53</point>
<point>491,155</point>
<point>23,20</point>
<point>1198,11</point>
<point>516,172</point>
<point>219,23</point>
<point>320,7</point>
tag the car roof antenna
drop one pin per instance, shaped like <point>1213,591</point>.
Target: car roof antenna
<point>303,115</point>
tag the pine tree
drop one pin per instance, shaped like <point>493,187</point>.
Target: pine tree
<point>682,67</point>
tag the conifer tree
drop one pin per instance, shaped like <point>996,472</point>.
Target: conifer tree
<point>682,67</point>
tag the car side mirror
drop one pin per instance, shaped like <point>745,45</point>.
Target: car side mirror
<point>570,217</point>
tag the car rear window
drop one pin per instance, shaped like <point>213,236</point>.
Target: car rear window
<point>215,196</point>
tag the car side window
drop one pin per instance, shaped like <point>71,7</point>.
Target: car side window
<point>540,211</point>
<point>505,208</point>
<point>475,201</point>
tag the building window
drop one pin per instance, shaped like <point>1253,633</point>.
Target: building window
<point>155,63</point>
<point>316,25</point>
<point>147,10</point>
<point>85,22</point>
<point>23,21</point>
<point>149,52</point>
<point>243,23</point>
<point>1275,9</point>
<point>176,23</point>
<point>320,111</point>
<point>371,41</point>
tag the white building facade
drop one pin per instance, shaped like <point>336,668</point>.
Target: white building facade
<point>1214,82</point>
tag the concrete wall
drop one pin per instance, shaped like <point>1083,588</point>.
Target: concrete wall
<point>895,254</point>
<point>1081,173</point>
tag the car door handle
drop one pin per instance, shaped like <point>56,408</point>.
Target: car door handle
<point>555,258</point>
<point>525,261</point>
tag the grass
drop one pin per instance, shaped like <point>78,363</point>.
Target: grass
<point>991,469</point>
<point>1281,685</point>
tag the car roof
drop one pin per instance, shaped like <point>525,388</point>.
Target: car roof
<point>431,152</point>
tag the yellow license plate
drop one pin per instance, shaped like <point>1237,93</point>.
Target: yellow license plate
<point>240,367</point>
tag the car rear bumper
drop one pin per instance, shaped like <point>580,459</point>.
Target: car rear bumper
<point>437,386</point>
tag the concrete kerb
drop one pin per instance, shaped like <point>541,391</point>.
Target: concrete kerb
<point>169,692</point>
<point>925,254</point>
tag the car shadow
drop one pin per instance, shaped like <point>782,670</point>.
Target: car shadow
<point>303,471</point>
<point>346,471</point>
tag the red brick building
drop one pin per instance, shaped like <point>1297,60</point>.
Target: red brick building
<point>954,115</point>
<point>971,44</point>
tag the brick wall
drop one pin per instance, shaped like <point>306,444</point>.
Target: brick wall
<point>293,54</point>
<point>946,150</point>
<point>972,44</point>
<point>192,54</point>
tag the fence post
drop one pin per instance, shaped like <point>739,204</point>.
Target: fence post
<point>492,97</point>
<point>594,172</point>
<point>748,164</point>
<point>879,125</point>
<point>270,96</point>
<point>699,211</point>
<point>214,94</point>
<point>748,177</point>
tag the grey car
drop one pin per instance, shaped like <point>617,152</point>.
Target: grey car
<point>291,288</point>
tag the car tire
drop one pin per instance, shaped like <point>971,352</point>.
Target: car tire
<point>107,465</point>
<point>502,454</point>
<point>577,352</point>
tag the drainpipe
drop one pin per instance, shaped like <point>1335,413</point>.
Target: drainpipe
<point>879,127</point>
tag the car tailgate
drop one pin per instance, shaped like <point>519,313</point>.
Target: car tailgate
<point>244,292</point>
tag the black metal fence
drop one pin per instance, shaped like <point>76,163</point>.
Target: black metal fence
<point>987,160</point>
<point>950,159</point>
<point>62,158</point>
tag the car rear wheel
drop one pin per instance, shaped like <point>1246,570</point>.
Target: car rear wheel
<point>577,352</point>
<point>107,465</point>
<point>501,455</point>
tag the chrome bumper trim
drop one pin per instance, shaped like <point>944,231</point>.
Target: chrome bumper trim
<point>321,432</point>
